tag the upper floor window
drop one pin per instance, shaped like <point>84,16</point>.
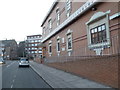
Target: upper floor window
<point>50,24</point>
<point>50,48</point>
<point>58,16</point>
<point>68,7</point>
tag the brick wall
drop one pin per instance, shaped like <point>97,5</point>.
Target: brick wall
<point>102,69</point>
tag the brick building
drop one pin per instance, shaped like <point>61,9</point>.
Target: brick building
<point>1,49</point>
<point>10,49</point>
<point>81,30</point>
<point>32,46</point>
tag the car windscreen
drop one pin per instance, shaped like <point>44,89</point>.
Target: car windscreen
<point>22,59</point>
<point>1,59</point>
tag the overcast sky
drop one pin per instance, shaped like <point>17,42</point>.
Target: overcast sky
<point>19,18</point>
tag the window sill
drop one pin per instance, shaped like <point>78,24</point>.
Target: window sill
<point>58,51</point>
<point>99,45</point>
<point>50,53</point>
<point>69,50</point>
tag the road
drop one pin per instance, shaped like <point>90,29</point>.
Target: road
<point>24,77</point>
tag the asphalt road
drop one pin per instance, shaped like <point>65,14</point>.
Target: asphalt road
<point>24,77</point>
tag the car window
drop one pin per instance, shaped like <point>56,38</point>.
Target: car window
<point>22,59</point>
<point>1,59</point>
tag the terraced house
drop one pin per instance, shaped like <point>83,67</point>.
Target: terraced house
<point>86,36</point>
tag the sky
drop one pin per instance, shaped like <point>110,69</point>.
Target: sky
<point>20,18</point>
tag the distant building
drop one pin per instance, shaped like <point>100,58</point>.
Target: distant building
<point>32,46</point>
<point>10,49</point>
<point>1,49</point>
<point>21,49</point>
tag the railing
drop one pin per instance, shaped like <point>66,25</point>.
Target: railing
<point>85,52</point>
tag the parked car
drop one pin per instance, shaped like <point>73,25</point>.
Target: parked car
<point>24,62</point>
<point>2,61</point>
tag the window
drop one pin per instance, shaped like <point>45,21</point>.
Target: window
<point>69,42</point>
<point>40,51</point>
<point>50,24</point>
<point>35,40</point>
<point>35,51</point>
<point>68,7</point>
<point>50,48</point>
<point>32,44</point>
<point>32,52</point>
<point>32,41</point>
<point>32,48</point>
<point>58,17</point>
<point>29,45</point>
<point>63,40</point>
<point>58,45</point>
<point>98,34</point>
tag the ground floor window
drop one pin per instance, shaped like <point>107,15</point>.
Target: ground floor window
<point>69,41</point>
<point>58,45</point>
<point>50,48</point>
<point>98,34</point>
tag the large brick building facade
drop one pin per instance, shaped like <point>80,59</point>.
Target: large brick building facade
<point>89,28</point>
<point>72,30</point>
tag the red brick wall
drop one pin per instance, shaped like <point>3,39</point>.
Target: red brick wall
<point>101,69</point>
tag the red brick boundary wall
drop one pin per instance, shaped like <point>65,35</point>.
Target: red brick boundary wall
<point>102,69</point>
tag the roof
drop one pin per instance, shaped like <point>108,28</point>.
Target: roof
<point>50,10</point>
<point>34,35</point>
<point>9,42</point>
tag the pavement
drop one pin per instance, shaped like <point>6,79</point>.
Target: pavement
<point>60,79</point>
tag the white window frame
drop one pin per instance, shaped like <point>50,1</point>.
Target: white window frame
<point>58,41</point>
<point>50,24</point>
<point>58,16</point>
<point>69,35</point>
<point>68,7</point>
<point>97,19</point>
<point>44,30</point>
<point>50,45</point>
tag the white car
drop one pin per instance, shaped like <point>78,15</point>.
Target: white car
<point>2,61</point>
<point>23,62</point>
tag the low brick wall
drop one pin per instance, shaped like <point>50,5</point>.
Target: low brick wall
<point>102,69</point>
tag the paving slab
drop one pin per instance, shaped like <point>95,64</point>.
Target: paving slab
<point>60,79</point>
